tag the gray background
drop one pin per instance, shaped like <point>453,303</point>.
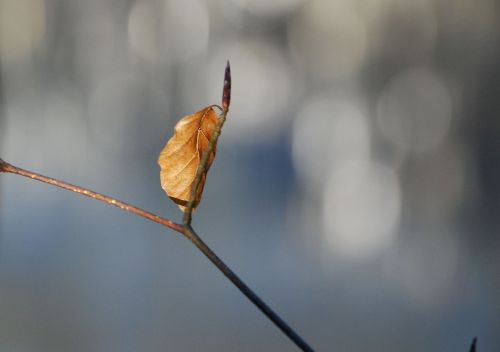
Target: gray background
<point>355,187</point>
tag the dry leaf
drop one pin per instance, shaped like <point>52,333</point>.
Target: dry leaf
<point>181,156</point>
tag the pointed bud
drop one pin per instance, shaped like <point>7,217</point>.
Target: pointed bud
<point>226,91</point>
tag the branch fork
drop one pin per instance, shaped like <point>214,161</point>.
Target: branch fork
<point>185,228</point>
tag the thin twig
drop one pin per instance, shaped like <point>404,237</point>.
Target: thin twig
<point>473,345</point>
<point>185,229</point>
<point>6,167</point>
<point>263,307</point>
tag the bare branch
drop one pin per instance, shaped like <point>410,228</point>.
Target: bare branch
<point>6,167</point>
<point>263,307</point>
<point>185,229</point>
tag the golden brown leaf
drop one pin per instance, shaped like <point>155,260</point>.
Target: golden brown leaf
<point>180,158</point>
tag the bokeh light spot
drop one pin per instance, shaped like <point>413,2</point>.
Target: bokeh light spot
<point>267,8</point>
<point>186,28</point>
<point>408,30</point>
<point>361,208</point>
<point>414,110</point>
<point>327,132</point>
<point>144,30</point>
<point>426,267</point>
<point>22,26</point>
<point>329,39</point>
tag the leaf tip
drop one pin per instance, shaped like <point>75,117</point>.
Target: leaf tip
<point>226,91</point>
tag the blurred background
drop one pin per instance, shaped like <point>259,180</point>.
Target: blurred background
<point>355,187</point>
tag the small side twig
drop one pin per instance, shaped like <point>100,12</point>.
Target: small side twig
<point>473,345</point>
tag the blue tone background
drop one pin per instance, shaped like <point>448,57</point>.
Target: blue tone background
<point>355,187</point>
